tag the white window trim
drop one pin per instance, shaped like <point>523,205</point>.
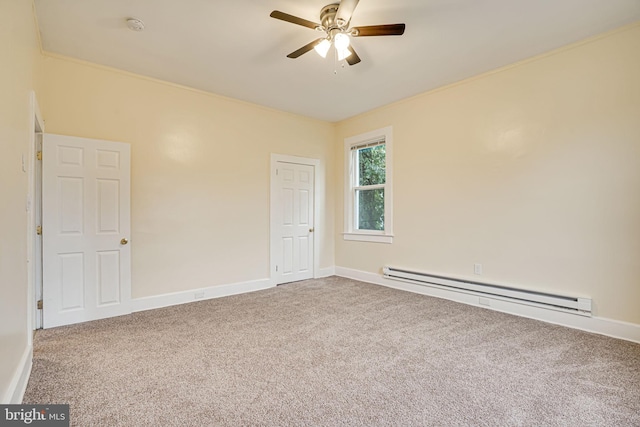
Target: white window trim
<point>350,233</point>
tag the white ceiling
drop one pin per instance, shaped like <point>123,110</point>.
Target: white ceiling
<point>234,48</point>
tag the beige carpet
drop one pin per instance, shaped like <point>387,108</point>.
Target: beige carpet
<point>334,352</point>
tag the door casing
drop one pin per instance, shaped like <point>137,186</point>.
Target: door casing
<point>34,241</point>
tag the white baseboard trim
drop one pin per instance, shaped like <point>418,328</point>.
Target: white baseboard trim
<point>20,379</point>
<point>599,325</point>
<point>192,295</point>
<point>325,272</point>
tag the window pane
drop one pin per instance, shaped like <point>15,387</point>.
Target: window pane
<point>371,164</point>
<point>370,209</point>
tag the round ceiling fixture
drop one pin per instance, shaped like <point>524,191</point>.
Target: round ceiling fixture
<point>135,24</point>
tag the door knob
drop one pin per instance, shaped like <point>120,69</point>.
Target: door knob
<point>311,230</point>
<point>124,241</point>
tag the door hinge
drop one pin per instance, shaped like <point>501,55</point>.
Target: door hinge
<point>277,172</point>
<point>39,230</point>
<point>276,268</point>
<point>39,304</point>
<point>39,155</point>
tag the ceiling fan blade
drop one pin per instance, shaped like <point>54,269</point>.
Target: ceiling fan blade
<point>293,19</point>
<point>304,49</point>
<point>346,10</point>
<point>352,59</point>
<point>378,30</point>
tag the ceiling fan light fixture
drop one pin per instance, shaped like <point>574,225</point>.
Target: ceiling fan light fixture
<point>341,40</point>
<point>323,47</point>
<point>343,53</point>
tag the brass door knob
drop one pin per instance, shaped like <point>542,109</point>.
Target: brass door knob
<point>124,241</point>
<point>311,230</point>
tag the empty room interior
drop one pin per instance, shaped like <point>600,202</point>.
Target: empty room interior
<point>419,212</point>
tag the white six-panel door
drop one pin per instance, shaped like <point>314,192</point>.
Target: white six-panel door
<point>86,227</point>
<point>294,222</point>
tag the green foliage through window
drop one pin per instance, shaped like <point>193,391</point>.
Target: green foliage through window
<point>371,163</point>
<point>371,209</point>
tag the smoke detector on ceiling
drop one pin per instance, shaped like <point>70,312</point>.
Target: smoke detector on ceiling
<point>135,24</point>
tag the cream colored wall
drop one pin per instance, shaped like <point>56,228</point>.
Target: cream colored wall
<point>19,53</point>
<point>533,171</point>
<point>200,171</point>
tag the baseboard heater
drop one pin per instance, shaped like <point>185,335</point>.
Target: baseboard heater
<point>581,306</point>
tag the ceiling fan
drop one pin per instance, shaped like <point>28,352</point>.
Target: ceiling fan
<point>335,19</point>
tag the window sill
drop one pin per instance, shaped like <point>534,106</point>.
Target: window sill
<point>362,237</point>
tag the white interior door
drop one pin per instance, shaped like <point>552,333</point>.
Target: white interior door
<point>85,229</point>
<point>294,222</point>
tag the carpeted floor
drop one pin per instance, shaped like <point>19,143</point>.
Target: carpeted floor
<point>334,352</point>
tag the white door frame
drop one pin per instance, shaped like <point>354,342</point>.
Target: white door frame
<point>34,256</point>
<point>275,158</point>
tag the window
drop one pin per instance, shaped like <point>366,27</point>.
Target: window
<point>368,190</point>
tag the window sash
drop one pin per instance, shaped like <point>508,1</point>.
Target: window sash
<point>355,188</point>
<point>356,159</point>
<point>368,187</point>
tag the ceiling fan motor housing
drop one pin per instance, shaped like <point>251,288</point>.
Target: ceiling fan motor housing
<point>328,17</point>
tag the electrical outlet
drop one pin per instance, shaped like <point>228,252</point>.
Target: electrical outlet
<point>477,268</point>
<point>199,295</point>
